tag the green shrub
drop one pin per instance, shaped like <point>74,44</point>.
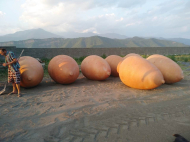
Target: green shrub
<point>80,59</point>
<point>185,59</point>
<point>104,56</point>
<point>144,56</point>
<point>172,57</point>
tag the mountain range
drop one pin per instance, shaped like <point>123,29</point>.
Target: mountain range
<point>42,34</point>
<point>89,34</point>
<point>91,42</point>
<point>181,40</point>
<point>28,34</point>
<point>39,38</point>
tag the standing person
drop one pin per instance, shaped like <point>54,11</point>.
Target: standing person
<point>13,70</point>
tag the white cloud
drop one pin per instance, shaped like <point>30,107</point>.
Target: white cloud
<point>121,19</point>
<point>51,13</point>
<point>97,3</point>
<point>185,28</point>
<point>130,24</point>
<point>6,29</point>
<point>128,17</point>
<point>110,15</point>
<point>93,30</point>
<point>2,13</point>
<point>154,18</point>
<point>131,3</point>
<point>37,14</point>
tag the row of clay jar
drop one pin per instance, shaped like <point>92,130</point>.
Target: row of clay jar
<point>133,70</point>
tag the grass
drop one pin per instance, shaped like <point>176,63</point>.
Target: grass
<point>176,58</point>
<point>3,74</point>
<point>79,60</point>
<point>184,58</point>
<point>103,56</point>
<point>145,56</point>
<point>46,61</point>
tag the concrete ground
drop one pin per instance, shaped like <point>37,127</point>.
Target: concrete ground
<point>96,111</point>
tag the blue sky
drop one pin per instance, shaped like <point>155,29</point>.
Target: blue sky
<point>145,18</point>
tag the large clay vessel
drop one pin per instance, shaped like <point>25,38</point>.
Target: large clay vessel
<point>171,71</point>
<point>118,66</point>
<point>31,71</point>
<point>63,69</point>
<point>131,54</point>
<point>128,55</point>
<point>137,72</point>
<point>95,68</point>
<point>113,61</point>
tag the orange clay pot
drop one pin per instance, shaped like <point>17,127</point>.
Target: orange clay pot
<point>171,71</point>
<point>118,66</point>
<point>63,69</point>
<point>31,71</point>
<point>128,55</point>
<point>113,61</point>
<point>95,68</point>
<point>137,72</point>
<point>131,54</point>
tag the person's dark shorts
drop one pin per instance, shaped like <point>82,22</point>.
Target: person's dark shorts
<point>14,77</point>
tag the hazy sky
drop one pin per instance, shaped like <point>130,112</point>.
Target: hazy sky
<point>158,18</point>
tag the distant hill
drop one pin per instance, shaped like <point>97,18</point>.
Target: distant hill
<point>28,34</point>
<point>92,42</point>
<point>181,40</point>
<point>151,42</point>
<point>113,36</point>
<point>89,34</point>
<point>75,34</point>
<point>34,34</point>
<point>42,34</point>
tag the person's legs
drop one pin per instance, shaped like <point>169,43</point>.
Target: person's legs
<point>18,88</point>
<point>17,80</point>
<point>14,88</point>
<point>11,80</point>
<point>14,78</point>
